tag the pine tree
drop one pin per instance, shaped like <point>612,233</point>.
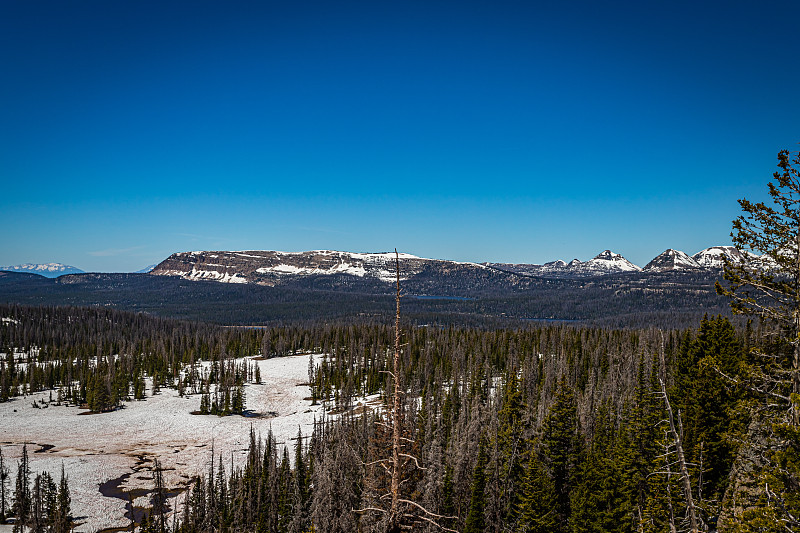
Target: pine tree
<point>22,491</point>
<point>4,473</point>
<point>768,286</point>
<point>560,450</point>
<point>537,499</point>
<point>62,517</point>
<point>301,487</point>
<point>598,503</point>
<point>708,404</point>
<point>477,502</point>
<point>159,499</point>
<point>510,444</point>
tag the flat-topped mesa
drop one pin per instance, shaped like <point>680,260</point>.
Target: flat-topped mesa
<point>268,267</point>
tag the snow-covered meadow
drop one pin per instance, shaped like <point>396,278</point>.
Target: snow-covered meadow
<point>99,448</point>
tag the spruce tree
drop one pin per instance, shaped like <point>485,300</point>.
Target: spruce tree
<point>22,491</point>
<point>560,449</point>
<point>63,513</point>
<point>767,285</point>
<point>477,502</point>
<point>4,473</point>
<point>510,444</point>
<point>537,499</point>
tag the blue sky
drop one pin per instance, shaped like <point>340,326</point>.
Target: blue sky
<point>476,131</point>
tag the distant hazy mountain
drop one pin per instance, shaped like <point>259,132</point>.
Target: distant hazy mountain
<point>48,270</point>
<point>147,269</point>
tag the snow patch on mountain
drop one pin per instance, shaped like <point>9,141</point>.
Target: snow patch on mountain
<point>714,256</point>
<point>606,262</point>
<point>671,260</point>
<point>610,262</point>
<point>214,275</point>
<point>268,267</point>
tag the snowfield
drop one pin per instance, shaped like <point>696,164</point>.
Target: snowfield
<point>99,448</point>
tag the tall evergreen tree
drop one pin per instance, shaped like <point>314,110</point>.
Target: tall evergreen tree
<point>4,473</point>
<point>768,286</point>
<point>560,450</point>
<point>22,490</point>
<point>477,503</point>
<point>537,499</point>
<point>510,444</point>
<point>63,510</point>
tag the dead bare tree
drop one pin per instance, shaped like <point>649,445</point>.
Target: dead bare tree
<point>674,447</point>
<point>402,513</point>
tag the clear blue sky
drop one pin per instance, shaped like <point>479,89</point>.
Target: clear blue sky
<point>478,131</point>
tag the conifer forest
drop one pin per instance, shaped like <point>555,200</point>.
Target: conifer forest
<point>546,427</point>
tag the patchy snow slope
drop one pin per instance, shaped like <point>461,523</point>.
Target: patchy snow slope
<point>98,448</point>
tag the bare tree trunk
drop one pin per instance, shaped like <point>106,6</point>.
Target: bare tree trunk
<point>395,486</point>
<point>796,339</point>
<point>694,520</point>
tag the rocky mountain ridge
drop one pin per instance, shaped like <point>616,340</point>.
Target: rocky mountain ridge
<point>273,267</point>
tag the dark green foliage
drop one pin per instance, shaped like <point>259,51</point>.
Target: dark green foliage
<point>537,499</point>
<point>560,449</point>
<point>477,501</point>
<point>597,503</point>
<point>510,447</point>
<point>769,288</point>
<point>677,299</point>
<point>708,402</point>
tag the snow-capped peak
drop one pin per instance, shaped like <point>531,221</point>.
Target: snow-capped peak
<point>48,270</point>
<point>713,257</point>
<point>612,262</point>
<point>671,259</point>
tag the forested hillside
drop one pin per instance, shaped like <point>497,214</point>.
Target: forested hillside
<point>557,427</point>
<point>666,299</point>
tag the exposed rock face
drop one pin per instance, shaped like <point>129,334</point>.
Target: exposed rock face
<point>269,268</point>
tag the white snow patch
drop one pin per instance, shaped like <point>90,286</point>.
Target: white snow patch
<point>98,448</point>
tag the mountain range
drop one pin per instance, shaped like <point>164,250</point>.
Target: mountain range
<point>269,287</point>
<point>273,268</point>
<point>48,270</point>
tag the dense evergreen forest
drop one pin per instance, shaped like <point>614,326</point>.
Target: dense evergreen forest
<point>542,428</point>
<point>640,300</point>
